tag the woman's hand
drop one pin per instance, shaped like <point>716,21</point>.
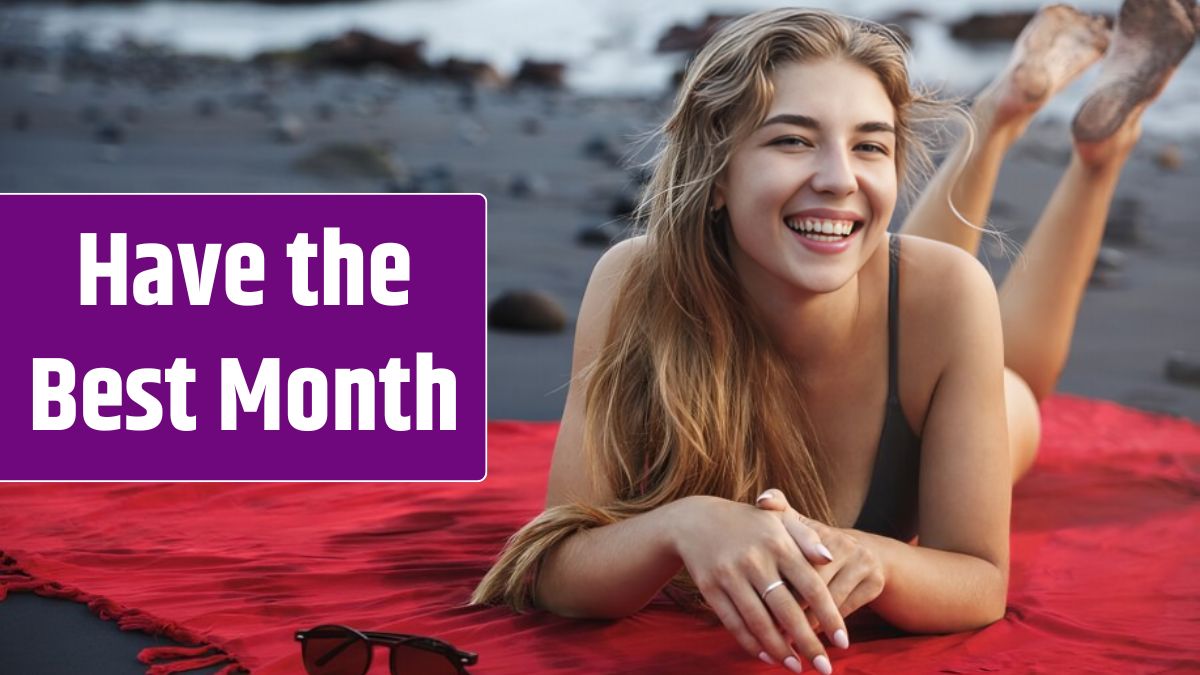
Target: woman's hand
<point>854,577</point>
<point>754,572</point>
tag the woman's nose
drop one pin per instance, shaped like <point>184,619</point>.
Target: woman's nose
<point>834,173</point>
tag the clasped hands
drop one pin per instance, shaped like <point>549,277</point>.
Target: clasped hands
<point>738,557</point>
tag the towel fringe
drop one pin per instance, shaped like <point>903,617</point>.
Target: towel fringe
<point>15,579</point>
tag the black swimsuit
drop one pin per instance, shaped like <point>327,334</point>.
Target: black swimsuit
<point>890,508</point>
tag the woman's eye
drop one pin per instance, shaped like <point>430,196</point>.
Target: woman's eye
<point>792,141</point>
<point>874,147</point>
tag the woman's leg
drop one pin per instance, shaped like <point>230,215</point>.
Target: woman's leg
<point>1040,298</point>
<point>1058,44</point>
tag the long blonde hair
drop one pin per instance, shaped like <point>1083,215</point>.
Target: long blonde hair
<point>689,394</point>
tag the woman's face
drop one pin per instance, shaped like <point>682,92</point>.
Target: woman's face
<point>823,159</point>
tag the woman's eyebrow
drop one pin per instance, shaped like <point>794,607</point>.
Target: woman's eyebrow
<point>810,123</point>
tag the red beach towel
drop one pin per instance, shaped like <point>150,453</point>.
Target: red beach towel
<point>1104,565</point>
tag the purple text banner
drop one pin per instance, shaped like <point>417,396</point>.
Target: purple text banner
<point>244,337</point>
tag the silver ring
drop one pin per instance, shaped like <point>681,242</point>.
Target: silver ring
<point>768,589</point>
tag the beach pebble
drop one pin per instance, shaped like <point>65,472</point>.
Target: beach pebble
<point>345,159</point>
<point>1169,158</point>
<point>1125,222</point>
<point>1184,368</point>
<point>529,186</point>
<point>526,311</point>
<point>470,72</point>
<point>110,133</point>
<point>599,147</point>
<point>1108,271</point>
<point>603,235</point>
<point>288,128</point>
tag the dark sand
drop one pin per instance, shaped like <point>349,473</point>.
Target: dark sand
<point>1126,328</point>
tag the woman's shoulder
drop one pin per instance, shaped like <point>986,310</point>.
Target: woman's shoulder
<point>939,278</point>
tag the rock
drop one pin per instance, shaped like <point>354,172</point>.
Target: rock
<point>526,311</point>
<point>288,128</point>
<point>206,107</point>
<point>600,148</point>
<point>21,120</point>
<point>1005,26</point>
<point>1184,368</point>
<point>1169,158</point>
<point>531,126</point>
<point>1125,222</point>
<point>605,234</point>
<point>623,205</point>
<point>110,133</point>
<point>529,185</point>
<point>47,84</point>
<point>471,72</point>
<point>545,74</point>
<point>356,49</point>
<point>341,160</point>
<point>1109,270</point>
<point>682,38</point>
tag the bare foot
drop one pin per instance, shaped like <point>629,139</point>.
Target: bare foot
<point>1150,39</point>
<point>1055,47</point>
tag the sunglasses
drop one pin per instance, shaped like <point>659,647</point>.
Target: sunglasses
<point>338,650</point>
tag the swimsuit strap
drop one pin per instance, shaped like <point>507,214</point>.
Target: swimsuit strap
<point>893,315</point>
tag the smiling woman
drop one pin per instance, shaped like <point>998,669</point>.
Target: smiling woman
<point>768,337</point>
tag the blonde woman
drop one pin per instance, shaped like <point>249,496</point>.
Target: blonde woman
<point>768,338</point>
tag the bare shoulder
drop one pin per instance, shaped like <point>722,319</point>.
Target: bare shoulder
<point>944,290</point>
<point>571,478</point>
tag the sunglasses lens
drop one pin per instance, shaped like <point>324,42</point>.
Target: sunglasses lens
<point>409,660</point>
<point>334,651</point>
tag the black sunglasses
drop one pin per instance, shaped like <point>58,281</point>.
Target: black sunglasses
<point>338,650</point>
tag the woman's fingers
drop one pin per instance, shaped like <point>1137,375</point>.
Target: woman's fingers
<point>810,586</point>
<point>851,591</point>
<point>723,607</point>
<point>789,615</point>
<point>758,620</point>
<point>806,538</point>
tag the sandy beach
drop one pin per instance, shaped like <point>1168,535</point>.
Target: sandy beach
<point>547,161</point>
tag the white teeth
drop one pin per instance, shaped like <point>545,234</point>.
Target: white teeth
<point>839,228</point>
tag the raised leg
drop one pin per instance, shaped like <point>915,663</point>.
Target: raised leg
<point>1058,44</point>
<point>1040,298</point>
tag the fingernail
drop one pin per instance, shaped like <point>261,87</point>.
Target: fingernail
<point>793,664</point>
<point>763,496</point>
<point>766,658</point>
<point>821,663</point>
<point>841,639</point>
<point>824,552</point>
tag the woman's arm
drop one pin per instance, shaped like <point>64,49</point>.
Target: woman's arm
<point>957,578</point>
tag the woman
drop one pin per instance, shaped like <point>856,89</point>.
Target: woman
<point>767,336</point>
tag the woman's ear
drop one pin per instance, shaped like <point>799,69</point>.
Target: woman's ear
<point>718,195</point>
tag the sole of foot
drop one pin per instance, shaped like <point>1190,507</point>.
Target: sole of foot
<point>1149,40</point>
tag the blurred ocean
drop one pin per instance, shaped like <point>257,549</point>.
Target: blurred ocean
<point>608,46</point>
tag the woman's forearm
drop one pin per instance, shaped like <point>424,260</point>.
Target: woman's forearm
<point>931,591</point>
<point>610,571</point>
